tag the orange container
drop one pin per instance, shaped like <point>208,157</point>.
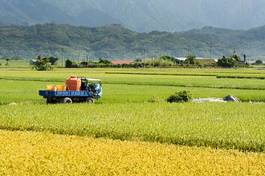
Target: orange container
<point>73,83</point>
<point>51,87</point>
<point>60,87</point>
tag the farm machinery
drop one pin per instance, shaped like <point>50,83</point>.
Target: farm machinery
<point>76,89</point>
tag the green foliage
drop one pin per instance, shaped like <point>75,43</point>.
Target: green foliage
<point>259,62</point>
<point>180,97</point>
<point>127,100</point>
<point>53,60</point>
<point>104,62</point>
<point>168,58</point>
<point>70,64</point>
<point>191,60</point>
<point>118,42</point>
<point>227,62</point>
<point>232,61</point>
<point>42,64</point>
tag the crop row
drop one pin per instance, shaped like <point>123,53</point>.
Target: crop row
<point>24,153</point>
<point>232,125</point>
<point>159,80</point>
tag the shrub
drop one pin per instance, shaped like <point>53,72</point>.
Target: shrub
<point>259,62</point>
<point>179,97</point>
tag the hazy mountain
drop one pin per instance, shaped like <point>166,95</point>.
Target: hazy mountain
<point>115,41</point>
<point>139,15</point>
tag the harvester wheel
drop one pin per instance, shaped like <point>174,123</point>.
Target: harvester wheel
<point>89,100</point>
<point>67,100</point>
<point>48,100</point>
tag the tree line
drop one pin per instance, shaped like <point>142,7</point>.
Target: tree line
<point>47,63</point>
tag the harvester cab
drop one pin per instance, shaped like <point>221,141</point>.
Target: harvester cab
<point>76,89</point>
<point>92,85</point>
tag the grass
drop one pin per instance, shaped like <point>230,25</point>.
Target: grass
<point>26,92</point>
<point>231,126</point>
<point>47,154</point>
<point>60,75</point>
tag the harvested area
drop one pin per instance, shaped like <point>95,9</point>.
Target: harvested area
<point>29,153</point>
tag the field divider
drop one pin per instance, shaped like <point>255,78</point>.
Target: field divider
<point>30,79</point>
<point>240,77</point>
<point>139,84</point>
<point>166,74</point>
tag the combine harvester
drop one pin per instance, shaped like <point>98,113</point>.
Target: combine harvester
<point>76,89</point>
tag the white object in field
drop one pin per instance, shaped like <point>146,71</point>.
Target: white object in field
<point>205,100</point>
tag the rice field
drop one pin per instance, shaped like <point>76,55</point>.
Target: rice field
<point>32,153</point>
<point>230,126</point>
<point>133,116</point>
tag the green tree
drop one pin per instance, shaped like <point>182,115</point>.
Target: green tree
<point>53,60</point>
<point>258,62</point>
<point>227,62</point>
<point>68,63</point>
<point>41,64</point>
<point>104,61</point>
<point>191,60</point>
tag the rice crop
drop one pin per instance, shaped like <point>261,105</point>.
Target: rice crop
<point>27,153</point>
<point>231,126</point>
<point>138,79</point>
<point>133,106</point>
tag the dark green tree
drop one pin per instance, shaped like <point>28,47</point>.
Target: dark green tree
<point>68,63</point>
<point>227,62</point>
<point>53,60</point>
<point>258,62</point>
<point>191,60</point>
<point>104,62</point>
<point>41,64</point>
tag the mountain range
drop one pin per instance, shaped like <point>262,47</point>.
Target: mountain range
<point>136,15</point>
<point>116,41</point>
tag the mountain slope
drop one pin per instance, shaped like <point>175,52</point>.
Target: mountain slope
<point>138,15</point>
<point>28,12</point>
<point>115,41</point>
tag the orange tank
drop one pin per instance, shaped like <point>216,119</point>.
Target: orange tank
<point>73,83</point>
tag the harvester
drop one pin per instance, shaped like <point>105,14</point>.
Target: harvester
<point>76,89</point>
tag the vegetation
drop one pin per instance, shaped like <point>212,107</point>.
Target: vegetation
<point>231,126</point>
<point>232,61</point>
<point>42,64</point>
<point>118,42</point>
<point>61,155</point>
<point>134,110</point>
<point>70,64</point>
<point>190,59</point>
<point>179,97</point>
<point>259,62</point>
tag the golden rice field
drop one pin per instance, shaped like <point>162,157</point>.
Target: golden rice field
<point>31,153</point>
